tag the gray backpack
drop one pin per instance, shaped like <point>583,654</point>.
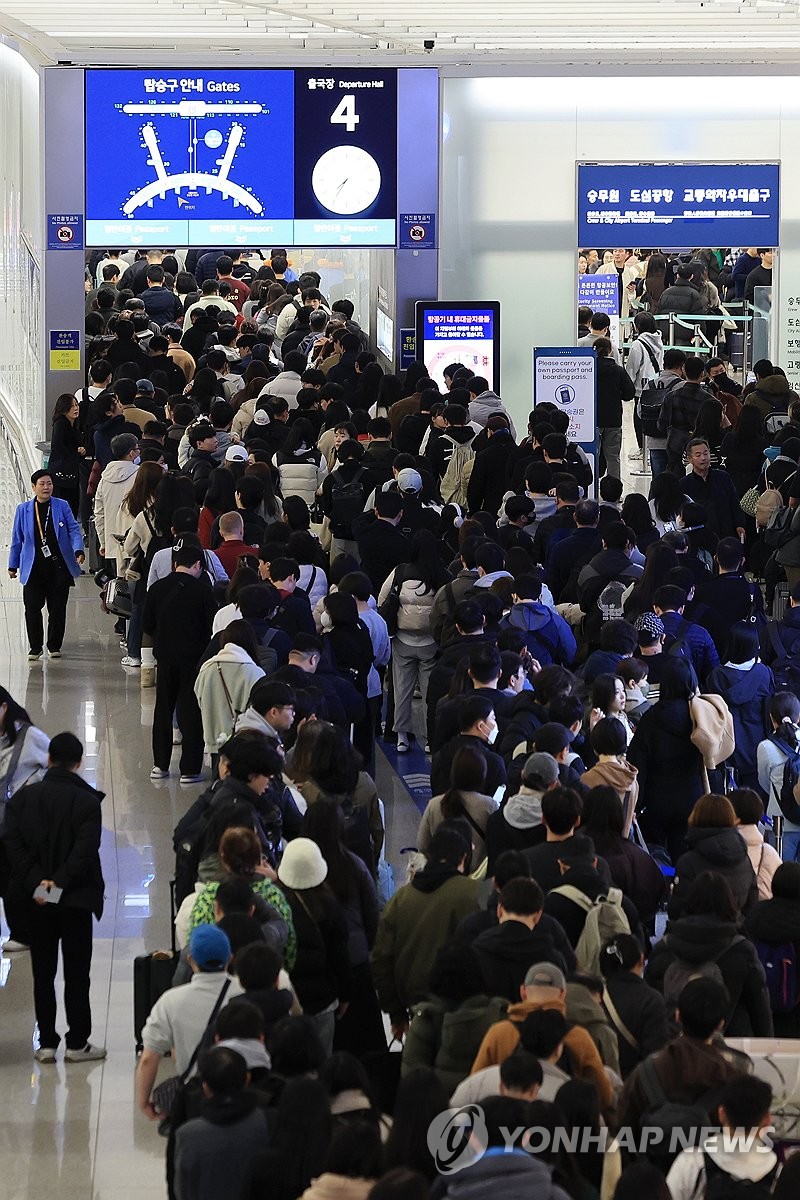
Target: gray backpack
<point>680,972</point>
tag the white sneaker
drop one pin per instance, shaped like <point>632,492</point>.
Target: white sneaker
<point>12,947</point>
<point>402,743</point>
<point>192,778</point>
<point>34,655</point>
<point>159,773</point>
<point>45,1054</point>
<point>130,661</point>
<point>634,455</point>
<point>89,1053</point>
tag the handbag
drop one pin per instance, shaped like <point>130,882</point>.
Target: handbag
<point>165,1093</point>
<point>116,598</point>
<point>749,501</point>
<point>390,609</point>
<point>133,571</point>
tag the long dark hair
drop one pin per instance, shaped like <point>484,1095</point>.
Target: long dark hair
<point>427,561</point>
<point>301,433</point>
<point>421,1096</point>
<point>336,762</point>
<point>221,493</point>
<point>324,824</point>
<point>174,491</point>
<point>659,560</point>
<point>145,487</point>
<point>784,708</point>
<point>636,513</point>
<point>668,494</point>
<point>62,406</point>
<point>15,715</point>
<point>603,819</point>
<point>301,1134</point>
<point>467,774</point>
<point>655,278</point>
<point>708,423</point>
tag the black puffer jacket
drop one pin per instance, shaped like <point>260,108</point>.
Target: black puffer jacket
<point>703,939</point>
<point>722,851</point>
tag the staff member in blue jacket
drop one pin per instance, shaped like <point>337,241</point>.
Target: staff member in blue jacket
<point>47,551</point>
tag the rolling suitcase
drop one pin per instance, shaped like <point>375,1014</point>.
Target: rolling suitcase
<point>152,976</point>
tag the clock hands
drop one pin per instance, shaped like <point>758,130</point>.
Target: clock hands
<point>341,185</point>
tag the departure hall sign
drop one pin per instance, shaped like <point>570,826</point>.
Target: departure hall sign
<point>249,157</point>
<point>676,206</point>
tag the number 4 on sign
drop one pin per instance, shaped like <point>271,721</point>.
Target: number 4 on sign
<point>345,114</point>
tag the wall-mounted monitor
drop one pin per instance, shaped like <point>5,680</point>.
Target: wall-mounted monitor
<point>385,334</point>
<point>241,157</point>
<point>466,332</point>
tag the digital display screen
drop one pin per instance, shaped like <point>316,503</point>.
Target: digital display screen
<point>248,157</point>
<point>385,335</point>
<point>466,333</point>
<point>678,205</point>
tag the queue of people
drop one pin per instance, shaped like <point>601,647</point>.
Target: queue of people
<point>609,720</point>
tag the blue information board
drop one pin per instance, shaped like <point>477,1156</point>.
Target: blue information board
<point>226,157</point>
<point>677,206</point>
<point>65,231</point>
<point>466,333</point>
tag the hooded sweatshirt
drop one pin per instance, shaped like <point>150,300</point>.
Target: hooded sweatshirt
<point>414,926</point>
<point>213,1151</point>
<point>688,1175</point>
<point>549,637</point>
<point>622,777</point>
<point>747,694</point>
<point>486,405</point>
<point>506,952</point>
<point>503,1038</point>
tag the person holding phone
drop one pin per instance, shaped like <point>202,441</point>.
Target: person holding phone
<point>52,837</point>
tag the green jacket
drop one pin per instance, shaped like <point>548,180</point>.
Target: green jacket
<point>413,927</point>
<point>203,911</point>
<point>448,1038</point>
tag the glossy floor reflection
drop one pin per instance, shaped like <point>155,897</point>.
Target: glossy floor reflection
<point>72,1131</point>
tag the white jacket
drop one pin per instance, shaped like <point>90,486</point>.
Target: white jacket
<point>303,477</point>
<point>287,385</point>
<point>630,273</point>
<point>314,581</point>
<point>115,483</point>
<point>140,532</point>
<point>232,669</point>
<point>640,365</point>
<point>686,1179</point>
<point>414,614</point>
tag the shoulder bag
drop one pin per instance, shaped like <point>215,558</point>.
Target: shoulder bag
<point>165,1094</point>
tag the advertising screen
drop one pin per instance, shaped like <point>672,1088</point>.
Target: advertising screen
<point>282,157</point>
<point>678,205</point>
<point>466,333</point>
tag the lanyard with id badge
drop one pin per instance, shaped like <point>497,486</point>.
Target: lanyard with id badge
<point>46,551</point>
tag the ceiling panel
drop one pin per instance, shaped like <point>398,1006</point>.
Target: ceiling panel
<point>533,31</point>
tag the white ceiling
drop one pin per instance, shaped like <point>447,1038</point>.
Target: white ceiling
<point>543,32</point>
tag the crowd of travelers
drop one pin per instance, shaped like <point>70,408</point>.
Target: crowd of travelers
<point>321,561</point>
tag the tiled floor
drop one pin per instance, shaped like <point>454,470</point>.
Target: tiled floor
<point>72,1131</point>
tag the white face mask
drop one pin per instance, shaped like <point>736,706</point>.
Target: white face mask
<point>325,621</point>
<point>136,461</point>
<point>492,735</point>
<point>644,687</point>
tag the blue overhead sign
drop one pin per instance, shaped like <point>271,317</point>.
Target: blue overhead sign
<point>678,205</point>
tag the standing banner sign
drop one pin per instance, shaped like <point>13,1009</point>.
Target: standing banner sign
<point>600,293</point>
<point>567,376</point>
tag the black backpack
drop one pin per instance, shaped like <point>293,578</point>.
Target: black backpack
<point>651,402</point>
<point>357,837</point>
<point>722,1186</point>
<point>347,503</point>
<point>679,1123</point>
<point>791,773</point>
<point>786,666</point>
